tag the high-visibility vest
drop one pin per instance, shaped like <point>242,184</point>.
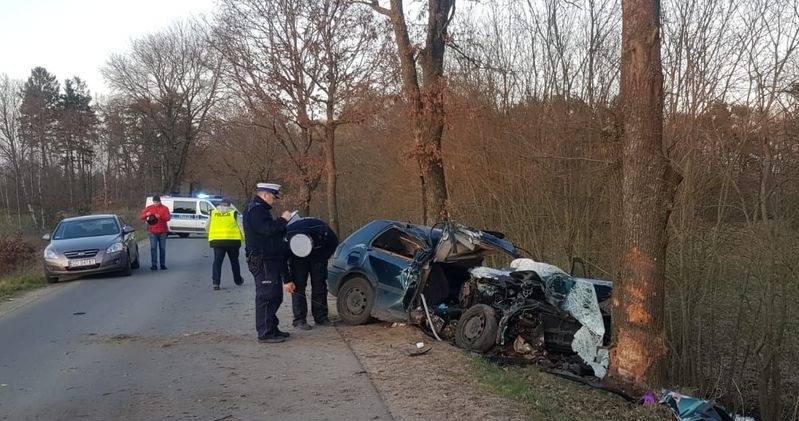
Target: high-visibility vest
<point>223,226</point>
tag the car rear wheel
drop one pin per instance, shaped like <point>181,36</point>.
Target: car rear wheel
<point>355,300</point>
<point>477,328</point>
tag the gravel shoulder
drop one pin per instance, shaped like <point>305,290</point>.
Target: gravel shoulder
<point>437,385</point>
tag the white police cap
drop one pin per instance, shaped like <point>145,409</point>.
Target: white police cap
<point>269,187</point>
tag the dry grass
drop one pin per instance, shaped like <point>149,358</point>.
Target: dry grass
<point>21,280</point>
<point>547,397</point>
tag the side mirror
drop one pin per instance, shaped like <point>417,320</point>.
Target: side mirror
<point>46,237</point>
<point>127,229</point>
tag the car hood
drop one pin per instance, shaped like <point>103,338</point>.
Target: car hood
<point>83,243</point>
<point>458,240</point>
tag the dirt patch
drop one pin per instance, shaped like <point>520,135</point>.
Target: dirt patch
<point>435,385</point>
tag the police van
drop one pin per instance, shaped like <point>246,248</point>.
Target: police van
<point>189,214</point>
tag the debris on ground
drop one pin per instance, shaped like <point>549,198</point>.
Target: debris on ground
<point>687,408</point>
<point>420,349</point>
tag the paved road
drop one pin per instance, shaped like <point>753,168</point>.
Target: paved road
<point>164,346</point>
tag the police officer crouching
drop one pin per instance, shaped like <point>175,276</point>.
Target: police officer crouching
<point>267,253</point>
<point>312,242</point>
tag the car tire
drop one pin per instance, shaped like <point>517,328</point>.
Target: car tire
<point>135,264</point>
<point>128,269</point>
<point>477,328</point>
<point>51,279</point>
<point>183,235</point>
<point>355,300</point>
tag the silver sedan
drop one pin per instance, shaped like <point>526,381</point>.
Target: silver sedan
<point>90,244</point>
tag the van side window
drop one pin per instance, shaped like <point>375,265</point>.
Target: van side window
<point>184,206</point>
<point>205,208</point>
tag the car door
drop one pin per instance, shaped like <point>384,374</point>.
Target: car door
<point>390,255</point>
<point>204,214</point>
<point>184,216</point>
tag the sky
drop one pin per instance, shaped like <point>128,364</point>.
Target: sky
<point>76,37</point>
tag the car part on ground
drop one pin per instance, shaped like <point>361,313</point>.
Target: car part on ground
<point>687,408</point>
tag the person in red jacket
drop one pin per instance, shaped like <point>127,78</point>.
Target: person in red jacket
<point>156,216</point>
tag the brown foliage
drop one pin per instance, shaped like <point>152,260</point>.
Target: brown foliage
<point>14,252</point>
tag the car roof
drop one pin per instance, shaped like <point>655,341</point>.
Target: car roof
<point>421,231</point>
<point>89,217</point>
<point>434,234</point>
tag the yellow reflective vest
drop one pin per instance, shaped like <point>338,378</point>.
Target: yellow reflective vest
<point>224,226</point>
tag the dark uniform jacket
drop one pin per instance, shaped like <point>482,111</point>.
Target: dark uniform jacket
<point>324,239</point>
<point>264,235</point>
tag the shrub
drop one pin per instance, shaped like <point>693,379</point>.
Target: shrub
<point>14,251</point>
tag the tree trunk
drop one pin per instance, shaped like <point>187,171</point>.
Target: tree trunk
<point>7,199</point>
<point>330,168</point>
<point>639,352</point>
<point>426,104</point>
<point>305,199</point>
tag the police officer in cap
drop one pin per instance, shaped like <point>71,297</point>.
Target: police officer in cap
<point>312,242</point>
<point>267,254</point>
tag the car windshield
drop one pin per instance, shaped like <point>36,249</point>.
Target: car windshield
<point>86,228</point>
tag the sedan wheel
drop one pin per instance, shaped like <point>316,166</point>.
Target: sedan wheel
<point>127,270</point>
<point>355,301</point>
<point>135,264</point>
<point>477,328</point>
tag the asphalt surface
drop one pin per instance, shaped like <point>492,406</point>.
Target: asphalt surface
<point>164,346</point>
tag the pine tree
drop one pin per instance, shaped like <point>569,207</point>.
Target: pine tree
<point>38,125</point>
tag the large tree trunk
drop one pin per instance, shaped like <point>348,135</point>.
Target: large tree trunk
<point>639,352</point>
<point>426,104</point>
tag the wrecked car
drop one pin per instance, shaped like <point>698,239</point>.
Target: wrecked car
<point>435,277</point>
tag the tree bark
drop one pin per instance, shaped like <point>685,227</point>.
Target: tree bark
<point>639,352</point>
<point>426,103</point>
<point>332,175</point>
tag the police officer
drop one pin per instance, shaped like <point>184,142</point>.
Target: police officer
<point>312,243</point>
<point>224,236</point>
<point>267,252</point>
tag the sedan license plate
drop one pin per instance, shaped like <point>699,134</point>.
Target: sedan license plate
<point>77,263</point>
